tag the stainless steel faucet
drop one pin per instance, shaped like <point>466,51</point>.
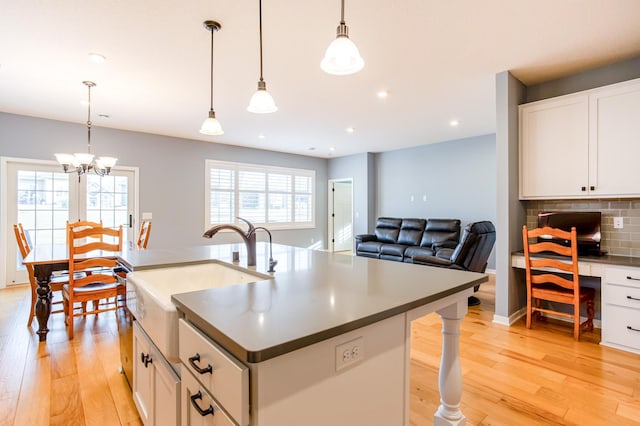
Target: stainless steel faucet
<point>272,263</point>
<point>248,237</point>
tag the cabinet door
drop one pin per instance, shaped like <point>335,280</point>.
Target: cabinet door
<point>554,147</point>
<point>554,143</point>
<point>615,140</point>
<point>143,375</point>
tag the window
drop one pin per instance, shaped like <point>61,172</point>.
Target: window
<point>282,198</point>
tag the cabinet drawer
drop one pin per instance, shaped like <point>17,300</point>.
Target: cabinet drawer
<point>198,408</point>
<point>624,276</point>
<point>227,380</point>
<point>622,326</point>
<point>622,296</point>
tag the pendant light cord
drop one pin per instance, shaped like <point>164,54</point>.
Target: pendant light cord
<point>89,122</point>
<point>342,13</point>
<point>211,100</point>
<point>260,13</point>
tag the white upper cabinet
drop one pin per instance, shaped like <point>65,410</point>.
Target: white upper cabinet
<point>583,145</point>
<point>615,130</point>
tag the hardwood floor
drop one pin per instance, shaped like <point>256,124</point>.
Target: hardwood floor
<point>58,382</point>
<point>511,375</point>
<point>515,376</point>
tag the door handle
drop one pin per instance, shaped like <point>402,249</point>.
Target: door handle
<point>130,221</point>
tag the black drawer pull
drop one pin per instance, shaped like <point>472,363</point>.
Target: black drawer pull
<point>584,188</point>
<point>632,329</point>
<point>145,359</point>
<point>629,277</point>
<point>197,407</point>
<point>592,188</point>
<point>199,369</point>
<point>632,298</point>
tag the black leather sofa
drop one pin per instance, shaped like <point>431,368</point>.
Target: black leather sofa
<point>401,239</point>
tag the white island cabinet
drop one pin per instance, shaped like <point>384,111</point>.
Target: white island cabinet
<point>325,340</point>
<point>155,387</point>
<point>583,145</point>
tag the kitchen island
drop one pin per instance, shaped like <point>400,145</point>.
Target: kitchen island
<point>325,341</point>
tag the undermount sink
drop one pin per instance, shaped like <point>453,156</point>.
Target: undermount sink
<point>149,296</point>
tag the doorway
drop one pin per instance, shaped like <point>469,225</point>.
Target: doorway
<point>340,215</point>
<point>43,198</point>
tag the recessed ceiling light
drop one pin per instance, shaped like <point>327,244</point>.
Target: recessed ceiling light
<point>382,94</point>
<point>454,123</point>
<point>84,103</point>
<point>331,148</point>
<point>97,58</point>
<point>349,130</point>
<point>261,136</point>
<point>312,148</point>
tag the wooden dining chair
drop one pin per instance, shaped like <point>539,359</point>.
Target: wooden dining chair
<point>559,281</point>
<point>143,235</point>
<point>56,283</point>
<point>100,281</point>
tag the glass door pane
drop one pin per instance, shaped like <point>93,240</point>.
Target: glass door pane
<point>40,197</point>
<point>110,199</point>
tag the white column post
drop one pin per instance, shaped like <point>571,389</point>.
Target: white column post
<point>450,376</point>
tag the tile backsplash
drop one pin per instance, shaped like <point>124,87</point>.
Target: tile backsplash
<point>619,242</point>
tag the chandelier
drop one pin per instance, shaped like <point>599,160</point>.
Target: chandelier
<point>81,162</point>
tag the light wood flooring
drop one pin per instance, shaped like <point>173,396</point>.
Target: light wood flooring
<point>511,375</point>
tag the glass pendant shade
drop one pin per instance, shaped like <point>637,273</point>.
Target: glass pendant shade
<point>342,57</point>
<point>211,126</point>
<point>262,102</point>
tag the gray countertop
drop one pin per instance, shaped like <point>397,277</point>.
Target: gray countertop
<point>314,295</point>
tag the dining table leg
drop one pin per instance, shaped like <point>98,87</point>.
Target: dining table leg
<point>43,304</point>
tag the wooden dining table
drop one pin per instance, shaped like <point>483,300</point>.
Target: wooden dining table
<point>47,259</point>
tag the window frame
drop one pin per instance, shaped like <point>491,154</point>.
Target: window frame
<point>238,167</point>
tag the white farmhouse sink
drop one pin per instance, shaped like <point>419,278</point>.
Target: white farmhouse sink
<point>149,296</point>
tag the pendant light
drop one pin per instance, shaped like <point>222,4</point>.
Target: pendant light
<point>81,162</point>
<point>211,125</point>
<point>342,56</point>
<point>261,102</point>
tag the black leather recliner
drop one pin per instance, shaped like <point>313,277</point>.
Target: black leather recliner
<point>471,254</point>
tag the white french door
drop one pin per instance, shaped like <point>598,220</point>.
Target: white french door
<point>43,198</point>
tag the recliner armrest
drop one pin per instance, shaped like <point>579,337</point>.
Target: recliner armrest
<point>431,261</point>
<point>363,238</point>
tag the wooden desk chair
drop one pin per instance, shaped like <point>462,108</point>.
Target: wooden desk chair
<point>561,284</point>
<point>143,236</point>
<point>56,283</point>
<point>100,281</point>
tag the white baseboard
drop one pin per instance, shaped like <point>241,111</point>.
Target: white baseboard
<point>511,319</point>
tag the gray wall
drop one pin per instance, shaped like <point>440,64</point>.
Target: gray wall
<point>511,214</point>
<point>172,173</point>
<point>457,177</point>
<point>360,168</point>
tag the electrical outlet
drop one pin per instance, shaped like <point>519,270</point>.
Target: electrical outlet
<point>349,353</point>
<point>618,223</point>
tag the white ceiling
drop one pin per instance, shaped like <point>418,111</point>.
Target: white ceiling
<point>437,59</point>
